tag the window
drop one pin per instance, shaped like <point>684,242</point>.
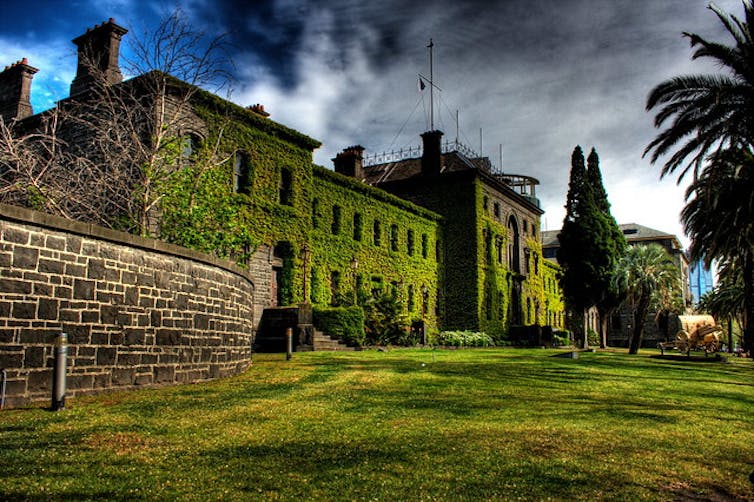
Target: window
<point>241,173</point>
<point>394,237</point>
<point>286,187</point>
<point>357,230</point>
<point>189,146</point>
<point>485,202</point>
<point>425,245</point>
<point>410,242</point>
<point>499,249</point>
<point>410,299</point>
<point>496,209</point>
<point>335,227</point>
<point>377,233</point>
<point>334,287</point>
<point>315,213</point>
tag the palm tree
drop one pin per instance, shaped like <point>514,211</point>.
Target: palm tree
<point>719,218</point>
<point>712,124</point>
<point>709,112</point>
<point>646,273</point>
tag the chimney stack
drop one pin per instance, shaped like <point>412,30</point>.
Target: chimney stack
<point>98,51</point>
<point>258,109</point>
<point>432,152</point>
<point>15,91</point>
<point>350,162</point>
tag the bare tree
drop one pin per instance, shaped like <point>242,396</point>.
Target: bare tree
<point>108,155</point>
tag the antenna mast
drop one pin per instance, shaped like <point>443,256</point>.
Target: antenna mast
<point>431,88</point>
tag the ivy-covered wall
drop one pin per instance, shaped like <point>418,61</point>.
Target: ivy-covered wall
<point>364,240</point>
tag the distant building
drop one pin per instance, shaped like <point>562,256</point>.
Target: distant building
<point>701,280</point>
<point>636,235</point>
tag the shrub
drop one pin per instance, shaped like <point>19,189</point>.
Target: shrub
<point>385,322</point>
<point>463,339</point>
<point>347,323</point>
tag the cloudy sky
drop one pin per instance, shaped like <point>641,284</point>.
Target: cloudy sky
<point>535,76</point>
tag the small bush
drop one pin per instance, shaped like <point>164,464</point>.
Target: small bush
<point>463,339</point>
<point>385,322</point>
<point>347,323</point>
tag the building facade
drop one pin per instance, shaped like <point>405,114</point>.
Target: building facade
<point>458,244</point>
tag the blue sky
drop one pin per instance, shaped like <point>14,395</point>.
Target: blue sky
<point>536,76</point>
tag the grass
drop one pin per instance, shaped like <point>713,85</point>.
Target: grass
<point>404,425</point>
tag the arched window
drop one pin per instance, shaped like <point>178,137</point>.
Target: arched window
<point>357,230</point>
<point>335,227</point>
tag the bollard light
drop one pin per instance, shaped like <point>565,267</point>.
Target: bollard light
<point>59,371</point>
<point>288,344</point>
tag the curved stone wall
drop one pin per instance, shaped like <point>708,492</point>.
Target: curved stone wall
<point>137,311</point>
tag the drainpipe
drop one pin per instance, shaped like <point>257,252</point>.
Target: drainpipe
<point>59,371</point>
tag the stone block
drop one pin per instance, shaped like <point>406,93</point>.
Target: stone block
<point>44,289</point>
<point>39,381</point>
<point>15,286</point>
<point>56,243</point>
<point>134,336</point>
<point>201,322</point>
<point>128,359</point>
<point>168,336</point>
<point>7,335</point>
<point>24,310</point>
<point>75,270</point>
<point>96,269</point>
<point>11,356</point>
<point>83,289</point>
<point>5,309</point>
<point>25,258</point>
<point>16,235</point>
<point>47,309</point>
<point>123,376</point>
<point>34,357</point>
<point>37,336</point>
<point>132,296</point>
<point>108,314</point>
<point>163,374</point>
<point>90,316</point>
<point>106,356</point>
<point>51,266</point>
<point>76,382</point>
<point>143,379</point>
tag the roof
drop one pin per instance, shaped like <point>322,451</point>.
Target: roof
<point>451,162</point>
<point>409,168</point>
<point>632,231</point>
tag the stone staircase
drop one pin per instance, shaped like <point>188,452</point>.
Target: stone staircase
<point>322,342</point>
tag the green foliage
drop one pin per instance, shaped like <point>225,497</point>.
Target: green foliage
<point>591,244</point>
<point>463,339</point>
<point>365,268</point>
<point>385,322</point>
<point>347,323</point>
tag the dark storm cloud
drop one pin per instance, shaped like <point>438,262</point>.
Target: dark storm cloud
<point>537,76</point>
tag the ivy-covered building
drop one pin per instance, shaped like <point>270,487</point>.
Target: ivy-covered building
<point>493,274</point>
<point>458,244</point>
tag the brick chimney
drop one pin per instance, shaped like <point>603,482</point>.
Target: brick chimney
<point>15,91</point>
<point>258,109</point>
<point>98,50</point>
<point>349,162</point>
<point>432,152</point>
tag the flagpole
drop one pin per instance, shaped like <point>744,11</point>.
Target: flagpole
<point>431,89</point>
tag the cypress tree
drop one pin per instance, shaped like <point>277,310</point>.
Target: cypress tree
<point>611,247</point>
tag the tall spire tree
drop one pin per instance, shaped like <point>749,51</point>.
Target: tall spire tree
<point>613,245</point>
<point>590,246</point>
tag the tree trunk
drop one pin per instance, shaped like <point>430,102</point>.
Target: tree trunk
<point>748,317</point>
<point>639,315</point>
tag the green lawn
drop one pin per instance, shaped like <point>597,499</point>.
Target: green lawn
<point>403,425</point>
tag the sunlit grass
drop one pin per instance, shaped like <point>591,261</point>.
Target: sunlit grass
<point>403,425</point>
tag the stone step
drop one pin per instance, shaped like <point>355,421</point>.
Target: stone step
<point>322,342</point>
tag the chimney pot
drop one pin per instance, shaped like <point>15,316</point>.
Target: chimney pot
<point>350,162</point>
<point>15,90</point>
<point>98,51</point>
